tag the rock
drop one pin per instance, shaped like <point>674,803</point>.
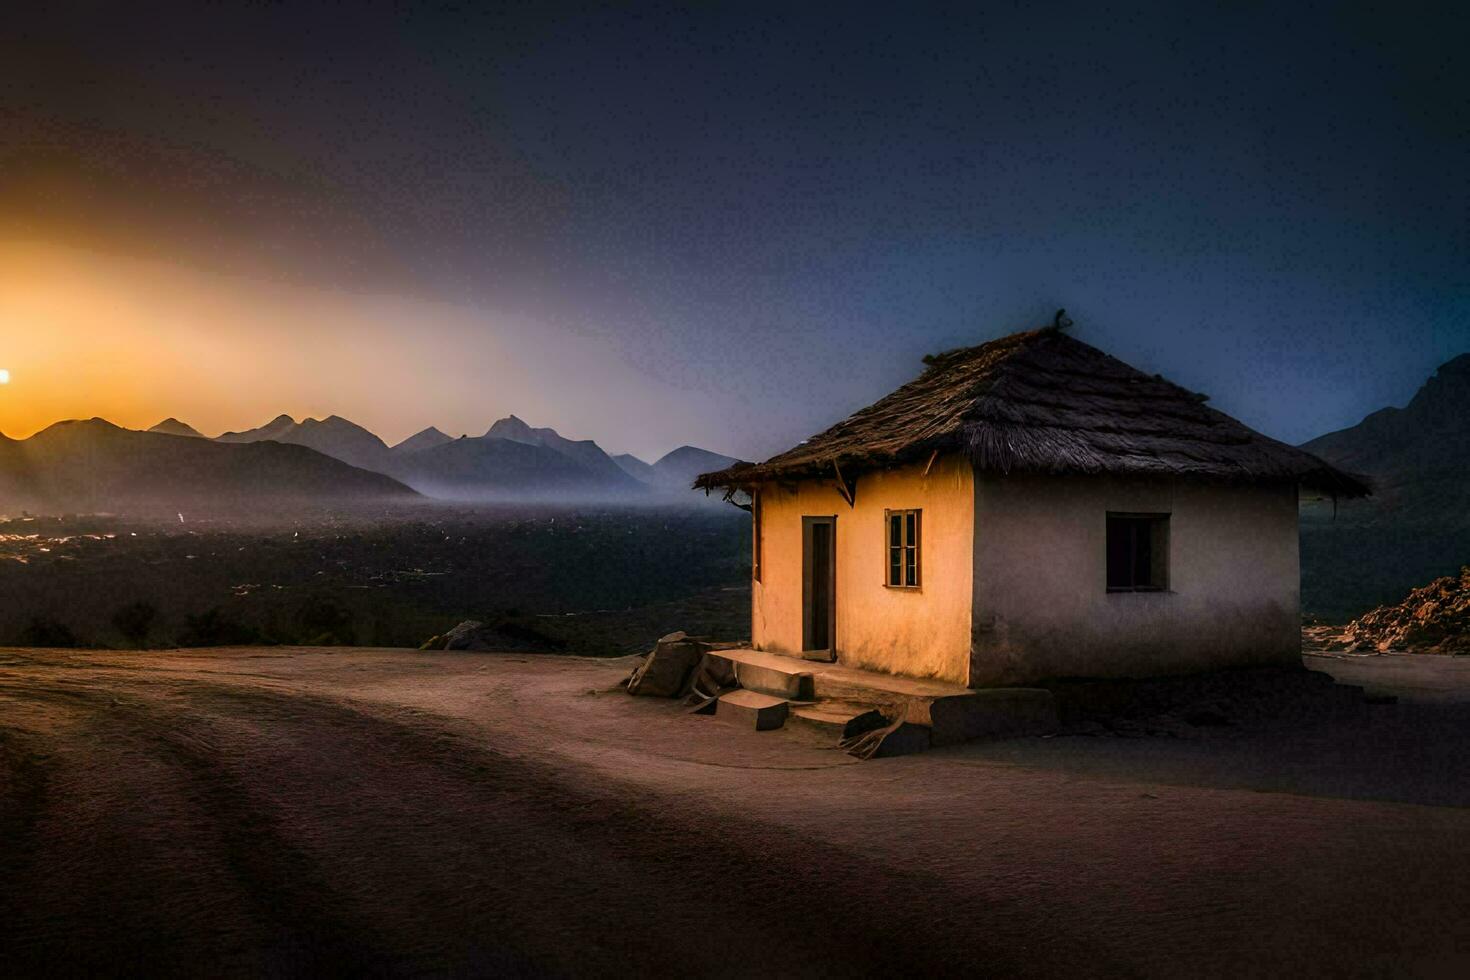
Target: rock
<point>1431,619</point>
<point>665,673</point>
<point>464,636</point>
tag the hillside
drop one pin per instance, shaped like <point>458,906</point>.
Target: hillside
<point>678,469</point>
<point>637,468</point>
<point>1416,526</point>
<point>94,465</point>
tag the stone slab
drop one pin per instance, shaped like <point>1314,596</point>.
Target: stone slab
<point>752,709</point>
<point>782,677</point>
<point>841,719</point>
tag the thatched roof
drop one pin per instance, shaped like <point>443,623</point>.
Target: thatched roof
<point>1045,402</point>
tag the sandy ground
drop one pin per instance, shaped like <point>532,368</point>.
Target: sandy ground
<point>387,812</point>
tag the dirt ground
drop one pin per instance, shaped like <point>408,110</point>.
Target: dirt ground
<point>314,811</point>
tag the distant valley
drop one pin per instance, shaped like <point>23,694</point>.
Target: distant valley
<point>93,465</point>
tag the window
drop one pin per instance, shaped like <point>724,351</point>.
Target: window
<point>1138,552</point>
<point>903,548</point>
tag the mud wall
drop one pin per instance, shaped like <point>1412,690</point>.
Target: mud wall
<point>923,632</point>
<point>1041,603</point>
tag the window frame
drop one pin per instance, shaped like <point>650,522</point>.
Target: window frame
<point>916,545</point>
<point>1157,525</point>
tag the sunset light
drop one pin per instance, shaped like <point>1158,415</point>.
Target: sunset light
<point>4,377</point>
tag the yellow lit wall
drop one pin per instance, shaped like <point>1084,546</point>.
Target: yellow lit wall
<point>921,633</point>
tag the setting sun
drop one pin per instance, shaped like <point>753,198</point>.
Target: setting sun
<point>4,377</point>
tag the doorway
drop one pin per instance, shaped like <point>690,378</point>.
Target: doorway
<point>819,588</point>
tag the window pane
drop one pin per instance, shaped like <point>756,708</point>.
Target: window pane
<point>1119,566</point>
<point>895,530</point>
<point>911,566</point>
<point>894,559</point>
<point>1142,555</point>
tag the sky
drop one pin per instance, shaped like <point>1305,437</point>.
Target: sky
<point>726,225</point>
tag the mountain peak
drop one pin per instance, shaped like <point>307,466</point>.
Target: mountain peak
<point>424,439</point>
<point>173,427</point>
<point>516,430</point>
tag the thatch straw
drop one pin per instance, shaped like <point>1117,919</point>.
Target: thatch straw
<point>1044,402</point>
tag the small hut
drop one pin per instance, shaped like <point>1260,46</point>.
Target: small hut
<point>1031,508</point>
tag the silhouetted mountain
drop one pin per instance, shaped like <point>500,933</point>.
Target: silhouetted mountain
<point>584,451</point>
<point>493,468</point>
<point>340,439</point>
<point>173,427</point>
<point>426,439</point>
<point>1416,526</point>
<point>485,468</point>
<point>637,469</point>
<point>273,429</point>
<point>96,466</point>
<point>680,467</point>
<point>332,436</point>
<point>514,429</point>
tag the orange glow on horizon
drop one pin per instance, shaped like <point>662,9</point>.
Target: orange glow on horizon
<point>91,334</point>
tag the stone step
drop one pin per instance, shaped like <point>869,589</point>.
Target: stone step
<point>752,709</point>
<point>781,677</point>
<point>840,719</point>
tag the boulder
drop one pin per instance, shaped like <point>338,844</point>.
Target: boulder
<point>665,673</point>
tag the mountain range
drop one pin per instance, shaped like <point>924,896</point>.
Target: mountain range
<point>95,465</point>
<point>511,460</point>
<point>1357,554</point>
<point>92,465</point>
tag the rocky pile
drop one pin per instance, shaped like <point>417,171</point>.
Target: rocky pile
<point>1433,619</point>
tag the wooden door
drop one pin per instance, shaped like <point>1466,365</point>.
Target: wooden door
<point>819,588</point>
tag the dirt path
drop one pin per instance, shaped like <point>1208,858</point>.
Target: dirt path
<point>384,812</point>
